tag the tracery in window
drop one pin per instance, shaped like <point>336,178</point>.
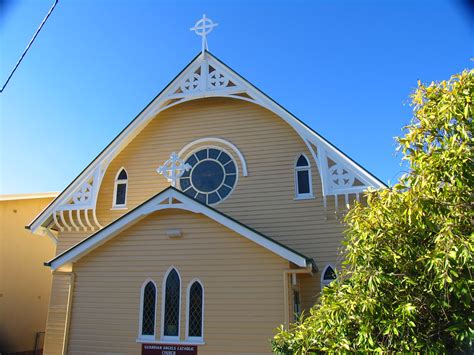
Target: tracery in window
<point>195,310</point>
<point>303,188</point>
<point>120,194</point>
<point>212,176</point>
<point>172,290</point>
<point>328,276</point>
<point>148,309</point>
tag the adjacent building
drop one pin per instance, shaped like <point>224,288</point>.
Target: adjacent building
<point>25,284</point>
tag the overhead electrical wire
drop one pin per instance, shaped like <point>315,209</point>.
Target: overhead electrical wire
<point>29,45</point>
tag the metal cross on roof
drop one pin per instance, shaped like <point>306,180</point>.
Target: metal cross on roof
<point>173,168</point>
<point>202,28</point>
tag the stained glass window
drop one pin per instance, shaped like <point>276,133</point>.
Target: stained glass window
<point>302,161</point>
<point>303,182</point>
<point>122,175</point>
<point>212,177</point>
<point>121,192</point>
<point>328,276</point>
<point>148,309</point>
<point>172,300</point>
<point>121,189</point>
<point>303,178</point>
<point>195,310</point>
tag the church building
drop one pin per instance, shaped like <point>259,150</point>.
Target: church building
<point>211,219</point>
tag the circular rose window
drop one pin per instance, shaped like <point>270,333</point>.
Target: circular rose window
<point>212,176</point>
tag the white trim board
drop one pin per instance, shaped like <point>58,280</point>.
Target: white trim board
<point>172,198</point>
<point>178,92</point>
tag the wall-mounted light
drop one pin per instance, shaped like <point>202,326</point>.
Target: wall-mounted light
<point>174,233</point>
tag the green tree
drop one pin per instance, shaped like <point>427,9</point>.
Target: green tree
<point>407,282</point>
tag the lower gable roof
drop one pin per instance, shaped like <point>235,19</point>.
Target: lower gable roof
<point>171,198</point>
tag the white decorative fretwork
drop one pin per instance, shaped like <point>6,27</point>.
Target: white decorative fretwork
<point>218,80</point>
<point>205,77</point>
<point>78,212</point>
<point>340,177</point>
<point>202,28</point>
<point>190,83</point>
<point>173,168</point>
<point>83,195</point>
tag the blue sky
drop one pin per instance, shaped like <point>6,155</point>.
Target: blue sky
<point>344,67</point>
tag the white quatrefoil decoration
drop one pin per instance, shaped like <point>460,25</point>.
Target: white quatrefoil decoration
<point>340,177</point>
<point>83,195</point>
<point>217,80</point>
<point>191,83</point>
<point>173,168</point>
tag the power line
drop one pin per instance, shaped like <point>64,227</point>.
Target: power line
<point>29,45</point>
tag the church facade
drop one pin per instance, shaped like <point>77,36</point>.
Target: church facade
<point>211,219</point>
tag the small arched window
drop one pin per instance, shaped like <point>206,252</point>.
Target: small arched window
<point>303,185</point>
<point>171,305</point>
<point>120,190</point>
<point>148,308</point>
<point>328,276</point>
<point>195,308</point>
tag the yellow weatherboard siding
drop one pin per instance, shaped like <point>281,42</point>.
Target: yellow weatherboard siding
<point>25,283</point>
<point>57,314</point>
<point>263,200</point>
<point>243,286</point>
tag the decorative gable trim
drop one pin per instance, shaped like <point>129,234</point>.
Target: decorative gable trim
<point>173,198</point>
<point>206,76</point>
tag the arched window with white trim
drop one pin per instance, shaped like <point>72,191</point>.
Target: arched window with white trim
<point>120,189</point>
<point>148,310</point>
<point>171,305</point>
<point>327,276</point>
<point>303,184</point>
<point>195,311</point>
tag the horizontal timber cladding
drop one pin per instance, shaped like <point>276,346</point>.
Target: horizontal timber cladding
<point>263,200</point>
<point>57,314</point>
<point>68,239</point>
<point>243,286</point>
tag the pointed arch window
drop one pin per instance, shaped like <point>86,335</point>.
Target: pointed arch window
<point>303,184</point>
<point>328,275</point>
<point>148,310</point>
<point>195,308</point>
<point>120,189</point>
<point>171,305</point>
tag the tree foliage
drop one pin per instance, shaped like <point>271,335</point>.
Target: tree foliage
<point>407,281</point>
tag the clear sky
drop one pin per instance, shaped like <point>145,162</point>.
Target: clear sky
<point>344,67</point>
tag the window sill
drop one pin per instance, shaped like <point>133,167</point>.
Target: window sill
<point>304,197</point>
<point>175,342</point>
<point>118,208</point>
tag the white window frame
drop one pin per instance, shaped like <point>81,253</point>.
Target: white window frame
<point>307,168</point>
<point>163,307</point>
<point>140,316</point>
<point>123,206</point>
<point>192,338</point>
<point>326,282</point>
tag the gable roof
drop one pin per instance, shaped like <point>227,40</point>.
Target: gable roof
<point>171,198</point>
<point>204,76</point>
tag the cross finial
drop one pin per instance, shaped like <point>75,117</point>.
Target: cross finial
<point>202,28</point>
<point>173,168</point>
